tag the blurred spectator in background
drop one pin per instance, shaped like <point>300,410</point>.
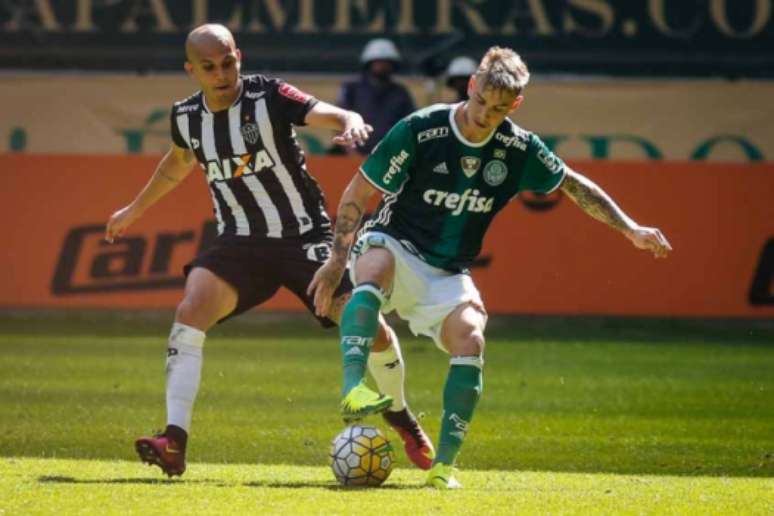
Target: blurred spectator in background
<point>458,75</point>
<point>381,101</point>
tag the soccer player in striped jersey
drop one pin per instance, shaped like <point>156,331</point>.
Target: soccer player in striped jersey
<point>445,172</point>
<point>273,230</point>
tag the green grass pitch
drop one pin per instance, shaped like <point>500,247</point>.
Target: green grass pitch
<point>603,416</point>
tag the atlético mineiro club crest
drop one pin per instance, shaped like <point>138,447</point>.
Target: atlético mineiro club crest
<point>470,165</point>
<point>250,133</point>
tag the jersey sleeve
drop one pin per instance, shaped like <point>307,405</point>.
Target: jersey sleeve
<point>388,165</point>
<point>177,138</point>
<point>292,102</point>
<point>543,170</point>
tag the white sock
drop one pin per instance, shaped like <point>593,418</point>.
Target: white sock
<point>184,371</point>
<point>388,371</point>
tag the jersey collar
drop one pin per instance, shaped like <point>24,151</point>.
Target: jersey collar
<point>458,133</point>
<point>237,100</point>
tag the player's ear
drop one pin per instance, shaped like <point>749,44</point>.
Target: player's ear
<point>516,103</point>
<point>188,68</point>
<point>471,85</point>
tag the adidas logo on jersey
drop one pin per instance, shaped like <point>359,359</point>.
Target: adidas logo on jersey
<point>441,168</point>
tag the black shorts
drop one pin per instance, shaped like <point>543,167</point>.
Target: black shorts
<point>258,269</point>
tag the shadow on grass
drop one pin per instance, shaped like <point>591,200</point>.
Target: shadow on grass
<point>61,479</point>
<point>300,325</point>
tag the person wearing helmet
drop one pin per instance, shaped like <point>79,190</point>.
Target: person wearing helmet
<point>458,75</point>
<point>381,101</point>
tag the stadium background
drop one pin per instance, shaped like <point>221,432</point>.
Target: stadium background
<point>667,104</point>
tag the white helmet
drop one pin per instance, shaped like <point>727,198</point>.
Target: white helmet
<point>461,67</point>
<point>378,49</point>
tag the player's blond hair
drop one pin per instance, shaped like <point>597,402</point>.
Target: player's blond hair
<point>503,69</point>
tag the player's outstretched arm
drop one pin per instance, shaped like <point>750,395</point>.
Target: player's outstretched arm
<point>351,209</point>
<point>352,129</point>
<point>594,201</point>
<point>171,170</point>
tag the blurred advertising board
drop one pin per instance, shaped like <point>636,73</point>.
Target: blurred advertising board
<point>729,38</point>
<point>640,120</point>
<point>541,256</point>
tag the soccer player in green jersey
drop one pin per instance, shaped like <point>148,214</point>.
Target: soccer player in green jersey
<point>444,172</point>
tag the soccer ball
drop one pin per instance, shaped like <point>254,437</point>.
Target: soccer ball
<point>361,456</point>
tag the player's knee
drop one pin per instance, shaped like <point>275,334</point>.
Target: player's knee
<point>190,313</point>
<point>377,265</point>
<point>473,343</point>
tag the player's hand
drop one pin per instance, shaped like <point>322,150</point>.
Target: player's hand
<point>355,133</point>
<point>119,222</point>
<point>650,239</point>
<point>324,284</point>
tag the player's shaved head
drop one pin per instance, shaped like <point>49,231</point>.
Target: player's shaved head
<point>208,39</point>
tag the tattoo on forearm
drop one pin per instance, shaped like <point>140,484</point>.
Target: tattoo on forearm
<point>347,222</point>
<point>594,201</point>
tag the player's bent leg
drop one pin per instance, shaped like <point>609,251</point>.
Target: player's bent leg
<point>358,328</point>
<point>385,363</point>
<point>207,299</point>
<point>388,370</point>
<point>462,334</point>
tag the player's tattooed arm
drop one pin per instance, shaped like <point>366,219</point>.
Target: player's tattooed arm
<point>351,208</point>
<point>347,221</point>
<point>594,201</point>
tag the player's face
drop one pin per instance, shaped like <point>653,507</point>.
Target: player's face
<point>217,72</point>
<point>487,107</point>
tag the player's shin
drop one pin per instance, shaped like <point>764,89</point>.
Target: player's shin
<point>359,323</point>
<point>460,396</point>
<point>184,366</point>
<point>387,369</point>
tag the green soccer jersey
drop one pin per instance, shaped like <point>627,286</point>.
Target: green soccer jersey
<point>442,191</point>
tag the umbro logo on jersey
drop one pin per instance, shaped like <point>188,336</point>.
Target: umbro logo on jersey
<point>441,168</point>
<point>254,95</point>
<point>195,143</point>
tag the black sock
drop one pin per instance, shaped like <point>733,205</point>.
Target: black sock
<point>178,435</point>
<point>402,418</point>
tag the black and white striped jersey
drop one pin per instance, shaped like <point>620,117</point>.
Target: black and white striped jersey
<point>254,166</point>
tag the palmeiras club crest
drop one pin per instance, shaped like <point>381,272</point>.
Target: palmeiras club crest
<point>250,133</point>
<point>470,165</point>
<point>495,172</point>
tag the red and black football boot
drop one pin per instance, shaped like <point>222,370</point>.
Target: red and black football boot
<point>417,444</point>
<point>162,451</point>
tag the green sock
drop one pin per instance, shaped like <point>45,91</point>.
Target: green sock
<point>359,323</point>
<point>460,396</point>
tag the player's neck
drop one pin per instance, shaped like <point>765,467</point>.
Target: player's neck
<point>224,103</point>
<point>466,126</point>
